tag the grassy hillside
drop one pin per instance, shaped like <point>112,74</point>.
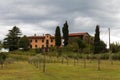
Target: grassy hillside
<point>22,70</point>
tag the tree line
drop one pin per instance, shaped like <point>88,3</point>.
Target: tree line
<point>14,41</point>
<point>96,45</point>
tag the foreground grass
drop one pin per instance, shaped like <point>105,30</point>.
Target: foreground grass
<point>57,71</point>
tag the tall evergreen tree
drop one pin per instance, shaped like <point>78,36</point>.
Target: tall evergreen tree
<point>24,43</point>
<point>97,46</point>
<point>57,37</point>
<point>11,41</point>
<point>65,33</point>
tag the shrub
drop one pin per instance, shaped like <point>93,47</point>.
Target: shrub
<point>116,56</point>
<point>18,57</point>
<point>9,60</point>
<point>3,57</point>
<point>38,50</point>
<point>105,56</point>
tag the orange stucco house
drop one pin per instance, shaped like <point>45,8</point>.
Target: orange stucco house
<point>42,41</point>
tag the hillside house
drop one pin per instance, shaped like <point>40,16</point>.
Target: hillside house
<point>48,40</point>
<point>42,41</point>
<point>83,36</point>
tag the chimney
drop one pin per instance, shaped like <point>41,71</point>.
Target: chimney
<point>34,34</point>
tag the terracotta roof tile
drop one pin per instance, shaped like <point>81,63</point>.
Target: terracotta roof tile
<point>77,34</point>
<point>52,37</point>
<point>36,37</point>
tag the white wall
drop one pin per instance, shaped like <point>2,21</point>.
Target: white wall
<point>4,50</point>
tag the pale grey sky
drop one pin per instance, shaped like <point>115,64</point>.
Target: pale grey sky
<point>42,16</point>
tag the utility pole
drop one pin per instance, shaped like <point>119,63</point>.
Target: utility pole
<point>109,40</point>
<point>110,54</point>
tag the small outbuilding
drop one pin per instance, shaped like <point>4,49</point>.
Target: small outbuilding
<point>4,50</point>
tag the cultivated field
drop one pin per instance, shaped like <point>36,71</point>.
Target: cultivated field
<point>22,70</point>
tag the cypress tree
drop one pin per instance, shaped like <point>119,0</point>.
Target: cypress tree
<point>65,33</point>
<point>97,40</point>
<point>57,37</point>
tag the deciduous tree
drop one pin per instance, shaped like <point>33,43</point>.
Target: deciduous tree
<point>24,43</point>
<point>81,44</point>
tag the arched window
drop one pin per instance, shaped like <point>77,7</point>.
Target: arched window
<point>35,46</point>
<point>30,46</point>
<point>36,40</point>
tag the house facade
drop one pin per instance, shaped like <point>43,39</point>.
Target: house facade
<point>84,36</point>
<point>42,41</point>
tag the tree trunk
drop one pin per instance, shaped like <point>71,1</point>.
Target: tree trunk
<point>84,62</point>
<point>62,61</point>
<point>99,63</point>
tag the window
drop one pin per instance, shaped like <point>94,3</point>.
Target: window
<point>51,40</point>
<point>42,40</point>
<point>36,40</point>
<point>30,46</point>
<point>47,41</point>
<point>35,46</point>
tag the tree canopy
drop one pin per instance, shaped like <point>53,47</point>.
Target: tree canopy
<point>12,38</point>
<point>115,47</point>
<point>24,43</point>
<point>81,44</point>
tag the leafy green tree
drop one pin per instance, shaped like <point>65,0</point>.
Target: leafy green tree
<point>81,45</point>
<point>11,41</point>
<point>24,43</point>
<point>65,33</point>
<point>73,45</point>
<point>97,40</point>
<point>102,46</point>
<point>57,37</point>
<point>115,47</point>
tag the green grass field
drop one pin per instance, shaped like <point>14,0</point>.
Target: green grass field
<point>22,70</point>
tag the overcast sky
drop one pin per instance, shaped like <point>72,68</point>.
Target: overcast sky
<point>42,16</point>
